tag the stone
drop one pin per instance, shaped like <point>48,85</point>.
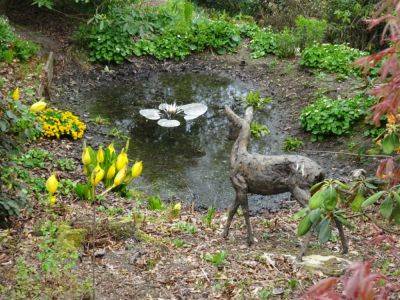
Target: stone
<point>329,265</point>
<point>100,253</point>
<point>71,236</point>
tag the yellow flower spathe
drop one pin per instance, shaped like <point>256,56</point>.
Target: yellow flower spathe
<point>52,200</point>
<point>119,178</point>
<point>111,149</point>
<point>177,207</point>
<point>52,184</point>
<point>100,155</point>
<point>16,95</point>
<point>97,175</point>
<point>137,169</point>
<point>86,156</point>
<point>122,160</point>
<point>111,171</point>
<point>38,106</point>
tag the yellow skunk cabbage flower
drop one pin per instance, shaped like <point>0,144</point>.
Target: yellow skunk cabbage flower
<point>52,184</point>
<point>15,95</point>
<point>100,155</point>
<point>111,172</point>
<point>38,106</point>
<point>177,207</point>
<point>122,160</point>
<point>97,175</point>
<point>137,169</point>
<point>86,156</point>
<point>111,148</point>
<point>119,178</point>
<point>52,200</point>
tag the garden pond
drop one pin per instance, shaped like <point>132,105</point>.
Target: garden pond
<point>189,162</point>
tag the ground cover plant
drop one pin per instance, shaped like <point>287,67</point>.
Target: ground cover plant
<point>326,116</point>
<point>333,58</point>
<point>12,46</point>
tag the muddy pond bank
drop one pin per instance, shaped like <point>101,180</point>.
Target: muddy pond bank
<point>190,163</point>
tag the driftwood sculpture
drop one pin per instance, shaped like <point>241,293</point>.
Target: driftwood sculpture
<point>265,174</point>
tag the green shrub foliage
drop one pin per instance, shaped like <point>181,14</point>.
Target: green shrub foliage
<point>263,43</point>
<point>169,31</point>
<point>11,46</point>
<point>327,116</point>
<point>286,44</point>
<point>310,31</point>
<point>333,58</point>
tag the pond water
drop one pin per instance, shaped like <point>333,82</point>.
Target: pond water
<point>190,162</point>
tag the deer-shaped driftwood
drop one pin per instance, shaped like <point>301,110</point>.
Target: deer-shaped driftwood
<point>265,174</point>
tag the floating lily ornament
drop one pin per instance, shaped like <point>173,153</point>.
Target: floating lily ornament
<point>166,113</point>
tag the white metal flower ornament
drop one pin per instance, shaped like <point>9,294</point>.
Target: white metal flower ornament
<point>166,113</point>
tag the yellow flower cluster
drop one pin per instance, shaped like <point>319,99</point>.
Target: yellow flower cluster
<point>57,123</point>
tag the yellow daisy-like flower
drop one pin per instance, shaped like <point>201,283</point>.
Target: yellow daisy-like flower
<point>391,118</point>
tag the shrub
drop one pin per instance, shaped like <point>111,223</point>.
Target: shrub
<point>219,35</point>
<point>171,45</point>
<point>11,46</point>
<point>109,44</point>
<point>346,19</point>
<point>310,31</point>
<point>263,43</point>
<point>165,32</point>
<point>57,123</point>
<point>332,58</point>
<point>286,44</point>
<point>327,116</point>
<point>24,50</point>
<point>111,34</point>
<point>7,36</point>
<point>248,29</point>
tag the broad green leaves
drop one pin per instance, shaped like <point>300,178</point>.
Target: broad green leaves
<point>332,58</point>
<point>304,226</point>
<point>390,143</point>
<point>390,203</point>
<point>323,211</point>
<point>327,116</point>
<point>374,198</point>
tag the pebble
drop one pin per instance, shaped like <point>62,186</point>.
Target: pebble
<point>100,253</point>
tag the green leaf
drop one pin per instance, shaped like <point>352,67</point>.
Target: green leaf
<point>300,214</point>
<point>396,214</point>
<point>396,197</point>
<point>358,201</point>
<point>316,187</point>
<point>304,226</point>
<point>371,200</point>
<point>386,207</point>
<point>389,143</point>
<point>330,199</point>
<point>315,215</point>
<point>82,190</point>
<point>317,199</point>
<point>325,231</point>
